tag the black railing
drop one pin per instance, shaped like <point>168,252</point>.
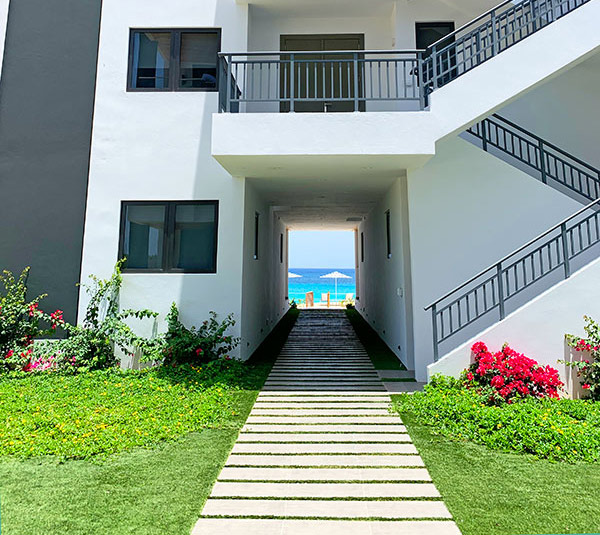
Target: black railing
<point>548,163</point>
<point>495,288</point>
<point>320,81</point>
<point>488,35</point>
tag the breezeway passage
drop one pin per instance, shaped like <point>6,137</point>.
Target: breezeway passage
<point>321,453</point>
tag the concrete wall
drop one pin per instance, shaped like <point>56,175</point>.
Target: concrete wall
<point>467,209</point>
<point>156,146</point>
<point>538,328</point>
<point>264,278</point>
<point>46,103</point>
<point>385,283</point>
<point>574,101</point>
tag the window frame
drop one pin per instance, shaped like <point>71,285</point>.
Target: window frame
<point>175,60</point>
<point>362,247</point>
<point>256,234</point>
<point>169,236</point>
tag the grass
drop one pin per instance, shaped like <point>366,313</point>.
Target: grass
<point>381,355</point>
<point>139,471</point>
<point>493,493</point>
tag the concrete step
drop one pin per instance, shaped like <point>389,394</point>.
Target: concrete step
<point>324,460</point>
<point>324,474</point>
<point>323,437</point>
<point>340,448</point>
<point>319,428</point>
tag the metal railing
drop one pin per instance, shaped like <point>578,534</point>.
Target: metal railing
<point>551,164</point>
<point>318,81</point>
<point>488,35</point>
<point>495,288</point>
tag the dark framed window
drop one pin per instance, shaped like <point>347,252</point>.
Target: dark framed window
<point>174,60</point>
<point>362,246</point>
<point>281,248</point>
<point>169,236</point>
<point>256,233</point>
<point>388,234</point>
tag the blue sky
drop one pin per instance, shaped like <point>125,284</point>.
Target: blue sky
<point>321,249</point>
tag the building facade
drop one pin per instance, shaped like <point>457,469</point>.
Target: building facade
<point>219,125</point>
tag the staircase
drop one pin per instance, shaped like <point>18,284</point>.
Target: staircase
<point>533,268</point>
<point>536,157</point>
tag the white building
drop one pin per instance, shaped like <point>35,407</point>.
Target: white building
<point>211,139</point>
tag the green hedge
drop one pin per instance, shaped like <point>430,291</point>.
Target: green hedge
<point>561,430</point>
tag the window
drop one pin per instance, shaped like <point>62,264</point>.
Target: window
<point>388,234</point>
<point>256,231</point>
<point>174,60</point>
<point>178,236</point>
<point>362,246</point>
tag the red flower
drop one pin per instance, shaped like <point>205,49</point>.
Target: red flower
<point>199,352</point>
<point>33,309</point>
<point>470,376</point>
<point>585,386</point>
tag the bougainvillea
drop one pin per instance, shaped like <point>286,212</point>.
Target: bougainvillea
<point>588,369</point>
<point>505,376</point>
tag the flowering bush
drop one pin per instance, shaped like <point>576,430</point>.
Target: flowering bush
<point>21,321</point>
<point>588,370</point>
<point>506,375</point>
<point>197,344</point>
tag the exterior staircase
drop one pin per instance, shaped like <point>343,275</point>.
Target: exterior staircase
<point>536,266</point>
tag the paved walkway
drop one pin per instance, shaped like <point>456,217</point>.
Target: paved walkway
<point>320,453</point>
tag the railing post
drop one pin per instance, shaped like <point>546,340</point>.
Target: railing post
<point>494,35</point>
<point>436,349</point>
<point>484,136</point>
<point>292,81</point>
<point>355,64</point>
<point>500,291</point>
<point>533,15</point>
<point>543,161</point>
<point>229,88</point>
<point>565,249</point>
<point>421,80</point>
<point>434,68</point>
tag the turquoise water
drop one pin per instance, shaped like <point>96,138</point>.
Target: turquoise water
<point>311,281</point>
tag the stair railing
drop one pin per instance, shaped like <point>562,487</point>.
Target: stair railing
<point>494,288</point>
<point>488,35</point>
<point>551,163</point>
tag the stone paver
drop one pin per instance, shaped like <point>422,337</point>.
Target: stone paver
<point>320,453</point>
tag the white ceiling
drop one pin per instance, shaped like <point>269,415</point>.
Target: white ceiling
<point>321,203</point>
<point>323,8</point>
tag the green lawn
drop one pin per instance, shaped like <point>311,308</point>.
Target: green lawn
<point>381,355</point>
<point>122,453</point>
<point>493,493</point>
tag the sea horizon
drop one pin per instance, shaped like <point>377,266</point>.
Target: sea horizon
<point>310,281</point>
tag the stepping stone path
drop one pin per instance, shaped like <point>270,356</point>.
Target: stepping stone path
<point>320,453</point>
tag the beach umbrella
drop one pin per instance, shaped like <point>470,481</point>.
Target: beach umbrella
<point>335,275</point>
<point>293,275</point>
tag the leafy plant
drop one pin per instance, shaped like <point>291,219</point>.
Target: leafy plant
<point>560,430</point>
<point>21,321</point>
<point>197,344</point>
<point>505,376</point>
<point>588,370</point>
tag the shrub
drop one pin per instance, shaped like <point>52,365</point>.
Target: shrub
<point>88,346</point>
<point>506,376</point>
<point>197,344</point>
<point>560,430</point>
<point>20,323</point>
<point>588,371</point>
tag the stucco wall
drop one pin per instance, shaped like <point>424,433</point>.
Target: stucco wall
<point>467,209</point>
<point>264,290</point>
<point>46,103</point>
<point>385,292</point>
<point>538,328</point>
<point>156,146</point>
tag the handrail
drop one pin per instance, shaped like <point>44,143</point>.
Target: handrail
<point>510,255</point>
<point>324,52</point>
<point>547,143</point>
<point>470,23</point>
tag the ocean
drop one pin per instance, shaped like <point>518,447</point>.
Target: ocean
<point>311,280</point>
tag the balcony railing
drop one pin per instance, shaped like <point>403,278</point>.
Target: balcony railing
<point>385,79</point>
<point>319,81</point>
